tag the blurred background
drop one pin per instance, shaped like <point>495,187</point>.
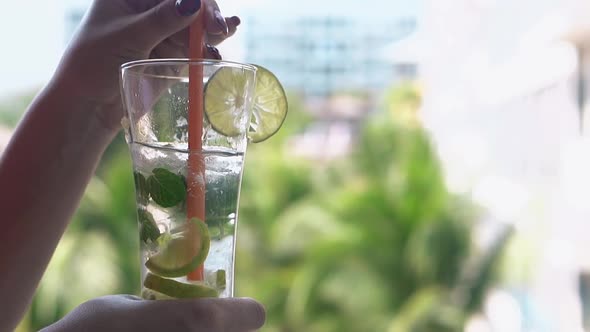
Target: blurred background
<point>432,173</point>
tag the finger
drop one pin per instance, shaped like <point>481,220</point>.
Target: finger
<point>213,315</point>
<point>181,38</point>
<point>211,52</point>
<point>140,6</point>
<point>231,315</point>
<point>232,23</point>
<point>162,21</point>
<point>177,47</point>
<point>215,23</point>
<point>169,50</point>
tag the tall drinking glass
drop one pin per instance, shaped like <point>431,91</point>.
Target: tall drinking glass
<point>182,257</point>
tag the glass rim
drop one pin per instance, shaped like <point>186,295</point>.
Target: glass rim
<point>182,61</point>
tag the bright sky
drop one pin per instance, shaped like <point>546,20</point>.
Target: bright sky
<point>32,43</point>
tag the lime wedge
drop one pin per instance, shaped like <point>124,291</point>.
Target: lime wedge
<point>225,101</point>
<point>175,289</point>
<point>183,253</point>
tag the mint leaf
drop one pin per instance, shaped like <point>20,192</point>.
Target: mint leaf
<point>148,230</point>
<point>166,188</point>
<point>220,279</point>
<point>141,188</point>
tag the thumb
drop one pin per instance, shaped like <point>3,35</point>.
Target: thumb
<point>164,20</point>
<point>206,314</point>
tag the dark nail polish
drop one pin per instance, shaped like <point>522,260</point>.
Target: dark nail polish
<point>187,7</point>
<point>236,20</point>
<point>213,51</point>
<point>221,23</point>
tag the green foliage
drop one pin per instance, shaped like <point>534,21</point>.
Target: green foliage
<point>370,242</point>
<point>12,109</point>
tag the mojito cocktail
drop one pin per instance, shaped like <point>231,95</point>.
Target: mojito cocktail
<point>183,256</point>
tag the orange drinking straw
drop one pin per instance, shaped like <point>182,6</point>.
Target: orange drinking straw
<point>195,202</point>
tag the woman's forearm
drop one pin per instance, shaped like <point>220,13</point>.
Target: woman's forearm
<point>43,171</point>
<point>55,149</point>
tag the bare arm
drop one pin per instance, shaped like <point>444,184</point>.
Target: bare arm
<point>43,171</point>
<point>56,147</point>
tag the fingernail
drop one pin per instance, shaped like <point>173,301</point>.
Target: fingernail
<point>236,20</point>
<point>187,7</point>
<point>213,51</point>
<point>221,22</point>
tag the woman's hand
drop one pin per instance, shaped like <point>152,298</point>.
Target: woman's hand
<point>118,31</point>
<point>128,313</point>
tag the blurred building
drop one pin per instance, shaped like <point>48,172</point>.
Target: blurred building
<point>330,48</point>
<point>333,53</point>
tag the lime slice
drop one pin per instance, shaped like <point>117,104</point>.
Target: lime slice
<point>149,294</point>
<point>225,100</point>
<point>183,253</point>
<point>270,106</point>
<point>175,289</point>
